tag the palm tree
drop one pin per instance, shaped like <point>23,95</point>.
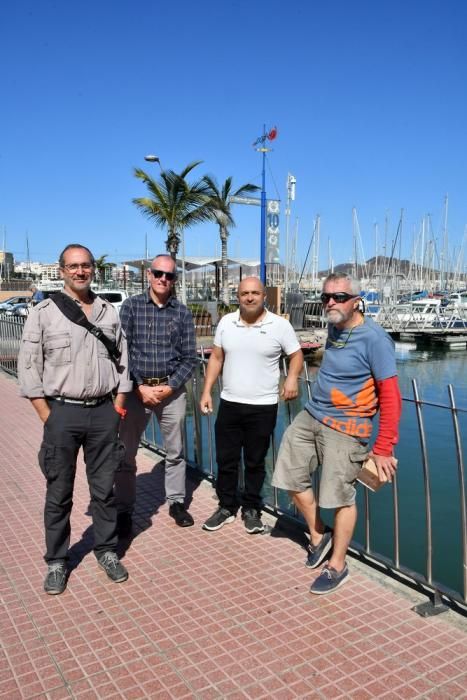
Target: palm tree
<point>100,266</point>
<point>174,202</point>
<point>221,213</point>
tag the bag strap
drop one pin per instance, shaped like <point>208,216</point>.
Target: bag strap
<point>73,313</point>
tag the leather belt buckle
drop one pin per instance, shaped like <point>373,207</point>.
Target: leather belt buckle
<point>155,381</point>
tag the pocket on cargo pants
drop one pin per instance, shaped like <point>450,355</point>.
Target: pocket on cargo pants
<point>48,461</point>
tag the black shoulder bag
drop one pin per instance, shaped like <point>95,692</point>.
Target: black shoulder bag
<point>73,313</point>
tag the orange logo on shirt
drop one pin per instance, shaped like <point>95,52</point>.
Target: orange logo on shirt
<point>366,402</point>
<point>365,406</point>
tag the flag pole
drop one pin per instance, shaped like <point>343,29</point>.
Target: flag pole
<point>262,268</point>
<point>270,136</point>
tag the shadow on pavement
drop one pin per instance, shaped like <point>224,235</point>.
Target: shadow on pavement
<point>150,496</point>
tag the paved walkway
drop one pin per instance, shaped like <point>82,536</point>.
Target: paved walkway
<point>203,615</point>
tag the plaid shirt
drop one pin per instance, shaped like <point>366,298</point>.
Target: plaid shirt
<point>161,340</point>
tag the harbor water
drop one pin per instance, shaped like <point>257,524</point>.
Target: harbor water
<point>433,371</point>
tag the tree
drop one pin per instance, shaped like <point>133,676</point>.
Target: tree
<point>221,213</point>
<point>174,203</point>
<point>100,266</point>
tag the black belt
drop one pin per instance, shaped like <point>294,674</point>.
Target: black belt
<point>155,381</point>
<point>81,402</point>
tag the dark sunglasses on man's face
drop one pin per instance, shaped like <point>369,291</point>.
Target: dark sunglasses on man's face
<point>339,297</point>
<point>158,274</point>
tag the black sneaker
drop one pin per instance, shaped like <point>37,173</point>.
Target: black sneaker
<point>221,517</point>
<point>317,552</point>
<point>180,514</point>
<point>253,523</point>
<point>124,524</point>
<point>56,578</point>
<point>113,567</point>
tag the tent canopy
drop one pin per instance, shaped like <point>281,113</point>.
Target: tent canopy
<point>195,262</point>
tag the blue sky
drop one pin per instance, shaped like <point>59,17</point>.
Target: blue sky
<point>369,99</point>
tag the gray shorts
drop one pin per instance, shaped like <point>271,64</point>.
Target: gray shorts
<point>306,444</point>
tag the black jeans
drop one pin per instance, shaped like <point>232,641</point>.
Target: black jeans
<point>250,427</point>
<point>95,429</point>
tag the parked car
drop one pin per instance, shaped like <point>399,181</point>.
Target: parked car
<point>115,296</point>
<point>21,309</point>
<point>11,301</point>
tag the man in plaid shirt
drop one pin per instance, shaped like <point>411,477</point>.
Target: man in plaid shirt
<point>162,358</point>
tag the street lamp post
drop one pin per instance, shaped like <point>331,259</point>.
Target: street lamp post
<point>150,158</point>
<point>153,159</point>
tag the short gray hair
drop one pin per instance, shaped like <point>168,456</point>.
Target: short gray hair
<point>335,276</point>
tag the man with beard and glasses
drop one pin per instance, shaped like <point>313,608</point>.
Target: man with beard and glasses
<point>162,355</point>
<point>357,378</point>
<point>247,348</point>
<point>78,390</point>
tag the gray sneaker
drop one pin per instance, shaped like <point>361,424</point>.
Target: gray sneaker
<point>113,567</point>
<point>252,521</point>
<point>329,580</point>
<point>56,578</point>
<point>317,552</point>
<point>221,517</point>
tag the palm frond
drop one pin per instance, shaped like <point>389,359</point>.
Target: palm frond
<point>188,168</point>
<point>246,188</point>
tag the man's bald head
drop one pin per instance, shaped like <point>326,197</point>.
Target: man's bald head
<point>251,297</point>
<point>251,283</point>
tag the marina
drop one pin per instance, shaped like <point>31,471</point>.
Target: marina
<point>430,452</point>
<point>181,149</point>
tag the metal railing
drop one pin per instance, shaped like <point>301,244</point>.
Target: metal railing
<point>430,490</point>
<point>408,317</point>
<point>11,330</point>
<point>396,505</point>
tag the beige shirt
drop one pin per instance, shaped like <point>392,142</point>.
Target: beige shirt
<point>60,358</point>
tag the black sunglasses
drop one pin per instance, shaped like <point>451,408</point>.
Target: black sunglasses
<point>158,274</point>
<point>339,297</point>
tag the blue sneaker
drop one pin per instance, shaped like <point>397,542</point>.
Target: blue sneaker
<point>329,580</point>
<point>317,552</point>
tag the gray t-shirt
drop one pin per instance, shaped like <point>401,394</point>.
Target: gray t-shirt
<point>344,396</point>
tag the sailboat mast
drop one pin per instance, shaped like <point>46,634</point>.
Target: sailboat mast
<point>445,271</point>
<point>354,244</point>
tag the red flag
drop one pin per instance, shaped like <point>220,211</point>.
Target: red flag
<point>273,133</point>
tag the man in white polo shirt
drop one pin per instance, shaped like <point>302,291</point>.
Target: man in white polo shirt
<point>247,348</point>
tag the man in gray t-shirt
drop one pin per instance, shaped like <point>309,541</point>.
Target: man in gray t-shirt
<point>357,378</point>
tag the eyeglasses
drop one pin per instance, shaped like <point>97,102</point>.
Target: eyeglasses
<point>339,297</point>
<point>158,274</point>
<point>74,267</point>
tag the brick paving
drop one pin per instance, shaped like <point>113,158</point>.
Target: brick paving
<point>203,615</point>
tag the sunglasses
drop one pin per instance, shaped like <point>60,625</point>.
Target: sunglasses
<point>158,274</point>
<point>339,297</point>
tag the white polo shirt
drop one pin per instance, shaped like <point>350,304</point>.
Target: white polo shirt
<point>251,357</point>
